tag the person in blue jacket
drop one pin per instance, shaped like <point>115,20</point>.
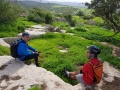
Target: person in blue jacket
<point>25,51</point>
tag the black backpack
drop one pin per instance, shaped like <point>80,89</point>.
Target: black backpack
<point>13,49</point>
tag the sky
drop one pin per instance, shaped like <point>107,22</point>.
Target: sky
<point>79,1</point>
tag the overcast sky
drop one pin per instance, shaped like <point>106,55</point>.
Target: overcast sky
<point>70,0</point>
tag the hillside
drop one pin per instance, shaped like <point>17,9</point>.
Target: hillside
<point>56,8</point>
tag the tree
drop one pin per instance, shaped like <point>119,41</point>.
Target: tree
<point>8,12</point>
<point>109,10</point>
<point>48,18</point>
<point>79,13</point>
<point>71,22</point>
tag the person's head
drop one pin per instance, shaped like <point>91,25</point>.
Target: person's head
<point>92,51</point>
<point>25,36</point>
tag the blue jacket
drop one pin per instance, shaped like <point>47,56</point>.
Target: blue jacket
<point>24,49</point>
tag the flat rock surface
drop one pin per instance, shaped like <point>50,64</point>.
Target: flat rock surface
<point>16,74</point>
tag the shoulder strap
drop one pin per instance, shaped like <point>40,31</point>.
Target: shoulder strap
<point>92,67</point>
<point>90,63</point>
<point>20,41</point>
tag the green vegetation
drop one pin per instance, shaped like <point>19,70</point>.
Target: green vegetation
<point>8,12</point>
<point>87,30</point>
<point>55,8</point>
<point>36,87</point>
<point>97,34</point>
<point>39,16</point>
<point>13,28</point>
<point>4,50</point>
<point>53,60</point>
<point>10,22</point>
<point>109,11</point>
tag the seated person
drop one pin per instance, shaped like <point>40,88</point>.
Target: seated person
<point>86,75</point>
<point>25,51</point>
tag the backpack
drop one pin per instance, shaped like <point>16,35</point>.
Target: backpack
<point>98,71</point>
<point>13,49</point>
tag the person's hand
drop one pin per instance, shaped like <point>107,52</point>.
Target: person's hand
<point>37,51</point>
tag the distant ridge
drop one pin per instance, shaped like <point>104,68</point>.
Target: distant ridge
<point>74,4</point>
<point>82,5</point>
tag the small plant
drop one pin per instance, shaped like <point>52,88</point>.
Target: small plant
<point>36,87</point>
<point>80,29</point>
<point>4,50</point>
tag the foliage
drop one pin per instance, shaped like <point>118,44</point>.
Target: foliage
<point>13,28</point>
<point>108,10</point>
<point>79,13</point>
<point>97,34</point>
<point>88,17</point>
<point>36,15</point>
<point>71,22</point>
<point>55,8</point>
<point>8,12</point>
<point>79,29</point>
<point>4,50</point>
<point>98,21</point>
<point>36,87</point>
<point>40,16</point>
<point>48,18</point>
<point>51,56</point>
<point>53,60</point>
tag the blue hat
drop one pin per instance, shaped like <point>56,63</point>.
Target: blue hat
<point>25,34</point>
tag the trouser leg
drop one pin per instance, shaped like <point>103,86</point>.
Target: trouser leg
<point>31,56</point>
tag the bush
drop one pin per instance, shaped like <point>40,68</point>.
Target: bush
<point>21,28</point>
<point>86,17</point>
<point>48,19</point>
<point>36,87</point>
<point>35,18</point>
<point>39,16</point>
<point>80,29</point>
<point>8,12</point>
<point>79,13</point>
<point>71,22</point>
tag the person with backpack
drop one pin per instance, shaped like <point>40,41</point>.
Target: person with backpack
<point>91,72</point>
<point>26,52</point>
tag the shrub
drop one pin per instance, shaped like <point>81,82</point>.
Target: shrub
<point>36,87</point>
<point>79,13</point>
<point>71,22</point>
<point>8,12</point>
<point>86,17</point>
<point>80,29</point>
<point>48,18</point>
<point>39,16</point>
<point>21,28</point>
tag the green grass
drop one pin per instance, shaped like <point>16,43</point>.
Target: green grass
<point>96,33</point>
<point>4,50</point>
<point>22,21</point>
<point>36,87</point>
<point>13,28</point>
<point>55,61</point>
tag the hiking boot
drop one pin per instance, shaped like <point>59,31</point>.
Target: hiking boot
<point>65,72</point>
<point>37,65</point>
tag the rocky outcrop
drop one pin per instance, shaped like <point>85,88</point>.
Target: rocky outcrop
<point>16,74</point>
